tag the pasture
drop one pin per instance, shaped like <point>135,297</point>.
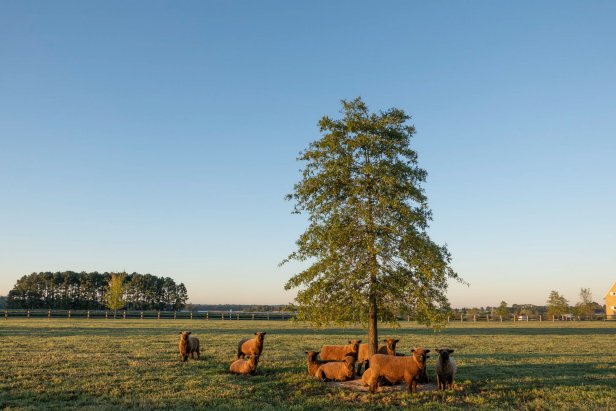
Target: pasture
<point>120,364</point>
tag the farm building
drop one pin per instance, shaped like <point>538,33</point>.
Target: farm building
<point>610,301</point>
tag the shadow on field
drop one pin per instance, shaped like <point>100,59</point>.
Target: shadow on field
<point>543,375</point>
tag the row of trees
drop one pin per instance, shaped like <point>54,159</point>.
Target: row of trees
<point>557,305</point>
<point>91,291</point>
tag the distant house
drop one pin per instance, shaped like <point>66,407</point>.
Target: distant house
<point>610,301</point>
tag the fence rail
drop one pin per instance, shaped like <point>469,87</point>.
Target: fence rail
<point>157,315</point>
<point>527,318</point>
<point>264,315</point>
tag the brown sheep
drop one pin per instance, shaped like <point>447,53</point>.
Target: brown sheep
<point>188,346</point>
<point>365,379</point>
<point>363,356</point>
<point>251,346</point>
<point>337,370</point>
<point>396,369</point>
<point>338,352</point>
<point>245,366</point>
<point>445,369</point>
<point>313,362</point>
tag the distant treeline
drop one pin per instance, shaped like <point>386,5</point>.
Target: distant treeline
<point>240,307</point>
<point>85,291</point>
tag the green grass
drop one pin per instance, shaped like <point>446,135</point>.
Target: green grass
<point>119,364</point>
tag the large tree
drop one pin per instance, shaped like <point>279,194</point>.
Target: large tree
<point>366,244</point>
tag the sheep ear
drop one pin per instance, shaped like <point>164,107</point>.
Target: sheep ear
<point>349,342</point>
<point>256,333</point>
<point>180,332</point>
<point>427,351</point>
<point>359,341</point>
<point>264,333</point>
<point>450,351</point>
<point>396,341</point>
<point>305,352</point>
<point>412,350</point>
<point>188,332</point>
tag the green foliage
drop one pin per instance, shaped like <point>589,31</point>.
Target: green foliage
<point>366,240</point>
<point>586,306</point>
<point>85,291</point>
<point>114,296</point>
<point>503,310</point>
<point>557,304</point>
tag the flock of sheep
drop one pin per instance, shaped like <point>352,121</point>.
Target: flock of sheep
<point>338,362</point>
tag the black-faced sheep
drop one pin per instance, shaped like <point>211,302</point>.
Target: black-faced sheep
<point>445,369</point>
<point>189,345</point>
<point>245,366</point>
<point>337,370</point>
<point>397,369</point>
<point>251,346</point>
<point>363,355</point>
<point>338,352</point>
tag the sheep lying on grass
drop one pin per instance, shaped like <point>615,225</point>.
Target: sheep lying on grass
<point>337,370</point>
<point>188,346</point>
<point>445,369</point>
<point>363,355</point>
<point>251,346</point>
<point>397,369</point>
<point>338,352</point>
<point>245,366</point>
<point>313,362</point>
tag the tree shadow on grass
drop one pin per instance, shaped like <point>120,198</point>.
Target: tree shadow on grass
<point>541,375</point>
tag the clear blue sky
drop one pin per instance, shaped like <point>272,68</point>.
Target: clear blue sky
<point>161,137</point>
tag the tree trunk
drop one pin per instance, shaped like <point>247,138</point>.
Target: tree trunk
<point>373,333</point>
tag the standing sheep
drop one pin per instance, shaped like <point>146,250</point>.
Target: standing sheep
<point>396,369</point>
<point>245,366</point>
<point>251,346</point>
<point>188,346</point>
<point>363,356</point>
<point>337,370</point>
<point>445,369</point>
<point>338,352</point>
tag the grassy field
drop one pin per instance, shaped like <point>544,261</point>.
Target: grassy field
<point>119,364</point>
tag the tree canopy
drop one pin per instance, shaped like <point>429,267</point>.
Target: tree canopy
<point>366,243</point>
<point>557,304</point>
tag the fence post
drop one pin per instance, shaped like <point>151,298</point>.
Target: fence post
<point>88,315</point>
<point>207,315</point>
<point>268,317</point>
<point>158,315</point>
<point>501,318</point>
<point>141,315</point>
<point>106,315</point>
<point>191,315</point>
<point>447,318</point>
<point>253,316</point>
<point>527,317</point>
<point>540,319</point>
<point>238,317</point>
<point>222,316</point>
<point>553,319</point>
<point>124,315</point>
<point>49,314</point>
<point>28,314</point>
<point>461,317</point>
<point>175,315</point>
<point>6,314</point>
<point>474,318</point>
<point>69,313</point>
